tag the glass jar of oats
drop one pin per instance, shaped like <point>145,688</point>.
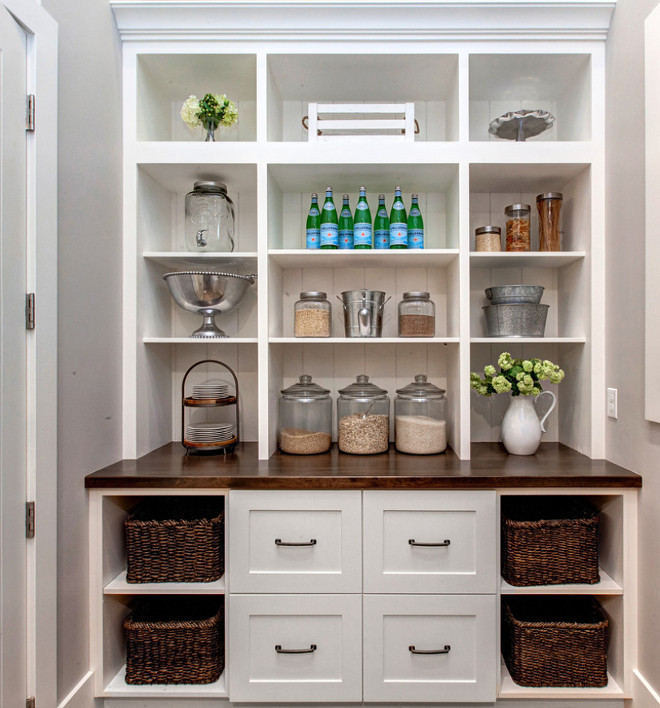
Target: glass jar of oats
<point>312,315</point>
<point>488,238</point>
<point>517,227</point>
<point>363,415</point>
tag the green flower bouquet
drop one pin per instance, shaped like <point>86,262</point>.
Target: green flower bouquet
<point>211,111</point>
<point>520,377</point>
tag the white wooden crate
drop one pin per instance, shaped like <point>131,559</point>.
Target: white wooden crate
<point>349,122</point>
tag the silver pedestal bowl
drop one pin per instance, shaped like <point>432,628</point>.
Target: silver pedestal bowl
<point>208,294</point>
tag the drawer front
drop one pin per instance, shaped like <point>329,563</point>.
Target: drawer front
<point>289,649</point>
<point>430,542</point>
<point>460,631</point>
<point>302,542</point>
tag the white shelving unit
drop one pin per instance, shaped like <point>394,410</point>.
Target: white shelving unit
<point>464,178</point>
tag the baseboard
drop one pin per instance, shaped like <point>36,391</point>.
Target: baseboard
<point>644,695</point>
<point>82,694</point>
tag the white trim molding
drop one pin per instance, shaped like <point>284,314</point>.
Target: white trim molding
<point>644,695</point>
<point>362,19</point>
<point>81,695</point>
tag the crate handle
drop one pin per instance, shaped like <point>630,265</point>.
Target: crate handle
<point>445,543</point>
<point>412,650</point>
<point>279,650</point>
<point>280,542</point>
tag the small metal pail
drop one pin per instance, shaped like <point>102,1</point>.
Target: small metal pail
<point>363,312</point>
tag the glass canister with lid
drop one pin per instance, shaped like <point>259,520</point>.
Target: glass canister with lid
<point>420,418</point>
<point>363,414</point>
<point>312,315</point>
<point>305,418</point>
<point>416,315</point>
<point>209,218</point>
<point>517,227</point>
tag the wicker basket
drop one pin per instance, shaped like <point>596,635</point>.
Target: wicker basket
<point>175,639</point>
<point>555,640</point>
<point>549,541</point>
<point>175,540</point>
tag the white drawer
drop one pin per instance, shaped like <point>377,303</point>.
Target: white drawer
<point>430,542</point>
<point>292,648</point>
<point>264,528</point>
<point>459,630</point>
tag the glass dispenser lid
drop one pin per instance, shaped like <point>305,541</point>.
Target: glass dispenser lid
<point>305,388</point>
<point>362,389</point>
<point>421,388</point>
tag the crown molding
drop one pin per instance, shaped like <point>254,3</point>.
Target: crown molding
<point>423,20</point>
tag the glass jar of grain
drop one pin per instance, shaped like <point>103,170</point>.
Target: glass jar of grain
<point>420,418</point>
<point>305,418</point>
<point>416,315</point>
<point>312,315</point>
<point>549,208</point>
<point>488,238</point>
<point>363,414</point>
<point>517,227</point>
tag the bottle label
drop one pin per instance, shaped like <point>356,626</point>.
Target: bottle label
<point>313,238</point>
<point>415,238</point>
<point>346,238</point>
<point>362,206</point>
<point>314,211</point>
<point>414,211</point>
<point>329,206</point>
<point>329,235</point>
<point>398,204</point>
<point>382,238</point>
<point>362,235</point>
<point>398,234</point>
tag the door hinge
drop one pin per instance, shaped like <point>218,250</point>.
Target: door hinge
<point>30,112</point>
<point>29,521</point>
<point>29,311</point>
<point>30,702</point>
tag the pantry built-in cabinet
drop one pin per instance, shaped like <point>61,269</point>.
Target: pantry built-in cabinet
<point>460,67</point>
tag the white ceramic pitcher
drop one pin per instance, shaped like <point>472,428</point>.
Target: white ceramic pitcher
<point>521,427</point>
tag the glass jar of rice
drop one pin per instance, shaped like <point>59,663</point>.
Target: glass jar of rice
<point>420,418</point>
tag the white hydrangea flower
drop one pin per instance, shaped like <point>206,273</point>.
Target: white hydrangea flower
<point>190,112</point>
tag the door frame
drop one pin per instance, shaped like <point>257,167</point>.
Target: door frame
<point>41,32</point>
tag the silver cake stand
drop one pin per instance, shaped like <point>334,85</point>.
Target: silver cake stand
<point>520,125</point>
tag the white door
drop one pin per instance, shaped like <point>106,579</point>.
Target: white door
<point>13,397</point>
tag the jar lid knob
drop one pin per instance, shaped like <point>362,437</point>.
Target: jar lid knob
<point>305,379</point>
<point>420,378</point>
<point>362,378</point>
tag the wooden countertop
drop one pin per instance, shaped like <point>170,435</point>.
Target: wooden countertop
<point>554,465</point>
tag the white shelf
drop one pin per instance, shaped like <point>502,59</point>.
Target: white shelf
<point>536,259</point>
<point>606,586</point>
<point>510,689</point>
<point>119,586</point>
<point>118,688</point>
<point>300,258</point>
<point>364,340</point>
<point>172,258</point>
<point>528,340</point>
<point>199,340</point>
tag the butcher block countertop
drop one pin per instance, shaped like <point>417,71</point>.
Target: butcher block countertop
<point>554,465</point>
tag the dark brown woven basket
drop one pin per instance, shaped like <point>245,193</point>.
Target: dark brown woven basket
<point>555,640</point>
<point>175,540</point>
<point>549,541</point>
<point>175,639</point>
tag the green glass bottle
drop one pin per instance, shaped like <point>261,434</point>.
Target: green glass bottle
<point>415,225</point>
<point>362,226</point>
<point>398,222</point>
<point>381,225</point>
<point>345,224</point>
<point>329,222</point>
<point>313,226</point>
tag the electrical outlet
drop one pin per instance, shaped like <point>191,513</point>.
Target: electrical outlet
<point>612,403</point>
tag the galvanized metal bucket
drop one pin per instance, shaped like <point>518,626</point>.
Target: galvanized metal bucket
<point>516,320</point>
<point>363,312</point>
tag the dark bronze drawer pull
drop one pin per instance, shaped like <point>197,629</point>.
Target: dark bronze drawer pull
<point>446,542</point>
<point>280,542</point>
<point>279,650</point>
<point>412,650</point>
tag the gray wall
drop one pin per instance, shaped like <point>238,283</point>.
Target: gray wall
<point>89,273</point>
<point>631,441</point>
